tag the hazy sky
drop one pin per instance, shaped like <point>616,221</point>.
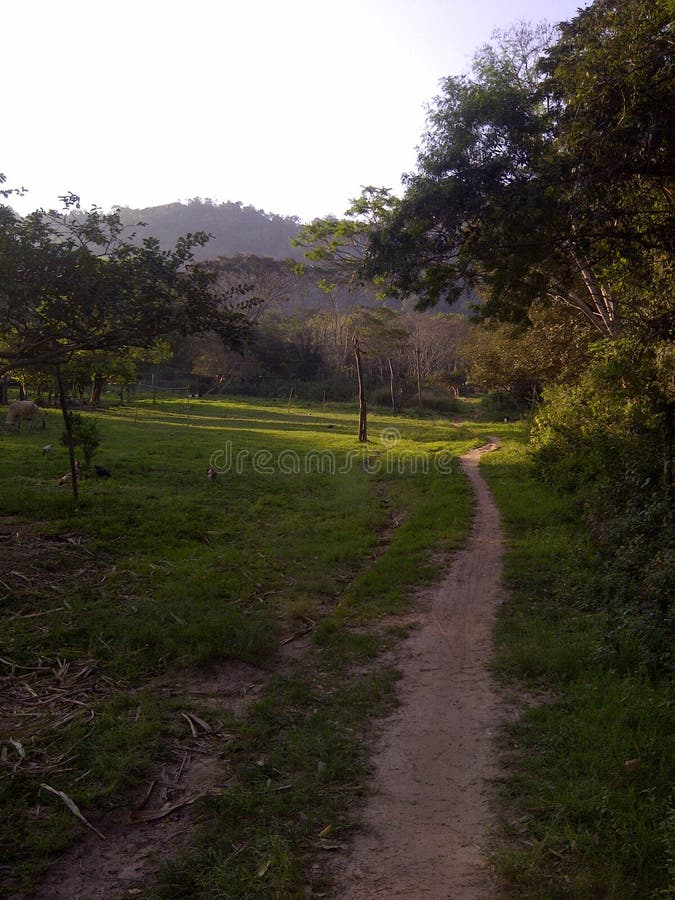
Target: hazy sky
<point>286,106</point>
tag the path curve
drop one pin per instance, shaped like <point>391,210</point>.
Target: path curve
<point>429,815</point>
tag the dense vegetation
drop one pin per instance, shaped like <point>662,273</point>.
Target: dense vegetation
<point>586,806</point>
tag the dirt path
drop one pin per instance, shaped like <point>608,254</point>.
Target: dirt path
<point>429,815</point>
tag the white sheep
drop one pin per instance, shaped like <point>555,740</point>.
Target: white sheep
<point>20,410</point>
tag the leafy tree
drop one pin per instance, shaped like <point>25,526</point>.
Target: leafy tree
<point>611,76</point>
<point>72,282</point>
<point>89,371</point>
<point>75,282</point>
<point>272,281</point>
<point>507,197</point>
<point>336,247</point>
<point>516,362</point>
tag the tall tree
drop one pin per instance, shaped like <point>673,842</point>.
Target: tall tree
<point>501,197</point>
<point>72,282</point>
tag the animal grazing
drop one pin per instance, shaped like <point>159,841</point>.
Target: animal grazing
<point>20,411</point>
<point>211,473</point>
<point>101,472</point>
<point>46,449</point>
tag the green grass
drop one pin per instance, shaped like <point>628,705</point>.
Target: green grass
<point>580,822</point>
<point>159,570</point>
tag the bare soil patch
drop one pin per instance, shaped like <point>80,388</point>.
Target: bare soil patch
<point>429,815</point>
<point>160,819</point>
<point>138,840</point>
<point>39,564</point>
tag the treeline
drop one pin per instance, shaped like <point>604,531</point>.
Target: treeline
<point>407,358</point>
<point>410,359</point>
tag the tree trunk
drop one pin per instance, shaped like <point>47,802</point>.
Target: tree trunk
<point>69,433</point>
<point>669,435</point>
<point>96,389</point>
<point>392,386</point>
<point>419,379</point>
<point>363,425</point>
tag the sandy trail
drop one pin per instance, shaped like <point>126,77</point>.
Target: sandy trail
<point>429,815</point>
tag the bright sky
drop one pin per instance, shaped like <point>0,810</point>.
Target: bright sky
<point>290,107</point>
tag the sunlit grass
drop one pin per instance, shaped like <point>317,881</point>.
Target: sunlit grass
<point>176,571</point>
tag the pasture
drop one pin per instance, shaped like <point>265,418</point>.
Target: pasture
<point>240,621</point>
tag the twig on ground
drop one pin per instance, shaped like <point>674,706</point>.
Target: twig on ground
<point>73,808</point>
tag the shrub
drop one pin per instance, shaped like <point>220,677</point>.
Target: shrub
<point>602,440</point>
<point>85,434</point>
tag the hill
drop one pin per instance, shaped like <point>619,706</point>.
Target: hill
<point>242,233</point>
<point>236,229</point>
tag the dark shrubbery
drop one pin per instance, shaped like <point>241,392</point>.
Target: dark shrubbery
<point>603,440</point>
<point>85,434</point>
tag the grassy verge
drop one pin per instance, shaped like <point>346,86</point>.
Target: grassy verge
<point>587,794</point>
<point>159,571</point>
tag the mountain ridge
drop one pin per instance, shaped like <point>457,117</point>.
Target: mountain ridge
<point>235,229</point>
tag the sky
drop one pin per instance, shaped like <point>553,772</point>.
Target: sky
<point>291,107</point>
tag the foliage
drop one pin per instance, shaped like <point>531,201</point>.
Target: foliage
<point>602,438</point>
<point>72,282</point>
<point>510,194</point>
<point>611,71</point>
<point>84,434</point>
<point>517,362</point>
<point>273,282</point>
<point>338,246</point>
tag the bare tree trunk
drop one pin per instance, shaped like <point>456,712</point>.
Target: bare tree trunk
<point>69,432</point>
<point>392,386</point>
<point>363,425</point>
<point>419,379</point>
<point>669,434</point>
<point>96,389</point>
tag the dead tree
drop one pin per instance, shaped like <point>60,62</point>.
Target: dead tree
<point>363,426</point>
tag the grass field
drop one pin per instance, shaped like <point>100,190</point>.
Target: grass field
<point>126,617</point>
<point>587,793</point>
<point>305,541</point>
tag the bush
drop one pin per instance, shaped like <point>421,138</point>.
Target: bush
<point>439,400</point>
<point>85,434</point>
<point>381,396</point>
<point>602,439</point>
